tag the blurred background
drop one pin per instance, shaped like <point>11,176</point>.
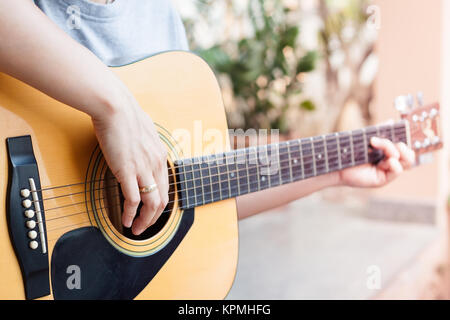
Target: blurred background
<point>310,67</point>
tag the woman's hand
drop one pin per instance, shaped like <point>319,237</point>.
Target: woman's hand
<point>137,158</point>
<point>398,158</point>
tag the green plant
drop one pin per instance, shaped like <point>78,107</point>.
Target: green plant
<point>265,70</point>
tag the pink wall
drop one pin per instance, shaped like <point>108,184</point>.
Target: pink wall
<point>410,50</point>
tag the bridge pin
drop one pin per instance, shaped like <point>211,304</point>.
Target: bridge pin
<point>31,224</point>
<point>25,193</point>
<point>32,234</point>
<point>26,203</point>
<point>29,214</point>
<point>33,245</point>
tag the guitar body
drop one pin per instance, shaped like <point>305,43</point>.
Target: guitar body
<point>192,256</point>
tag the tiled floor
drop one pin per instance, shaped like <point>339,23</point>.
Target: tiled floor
<point>313,249</point>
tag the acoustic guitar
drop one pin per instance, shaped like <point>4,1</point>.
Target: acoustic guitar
<point>60,232</point>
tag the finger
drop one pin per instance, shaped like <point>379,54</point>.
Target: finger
<point>407,156</point>
<point>162,179</point>
<point>151,202</point>
<point>395,169</point>
<point>386,146</point>
<point>130,192</point>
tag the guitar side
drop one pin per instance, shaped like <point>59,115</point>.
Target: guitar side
<point>178,90</point>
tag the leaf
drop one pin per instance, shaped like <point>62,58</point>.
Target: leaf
<point>289,37</point>
<point>217,58</point>
<point>308,62</point>
<point>308,105</point>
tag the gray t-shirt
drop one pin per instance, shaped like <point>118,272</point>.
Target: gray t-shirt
<point>121,32</point>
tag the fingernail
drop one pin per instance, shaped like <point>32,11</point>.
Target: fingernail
<point>127,223</point>
<point>137,231</point>
<point>375,140</point>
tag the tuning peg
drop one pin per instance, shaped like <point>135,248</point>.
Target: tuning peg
<point>420,98</point>
<point>401,104</point>
<point>410,101</point>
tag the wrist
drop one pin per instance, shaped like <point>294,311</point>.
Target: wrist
<point>335,179</point>
<point>111,100</point>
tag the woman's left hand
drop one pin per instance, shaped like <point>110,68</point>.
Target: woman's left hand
<point>398,158</point>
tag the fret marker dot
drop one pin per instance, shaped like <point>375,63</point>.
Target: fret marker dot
<point>319,156</point>
<point>345,150</point>
<point>263,178</point>
<point>295,161</point>
<point>232,174</point>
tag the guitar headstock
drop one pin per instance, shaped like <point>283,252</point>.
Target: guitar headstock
<point>424,124</point>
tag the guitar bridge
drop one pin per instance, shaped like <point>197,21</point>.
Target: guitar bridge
<point>26,219</point>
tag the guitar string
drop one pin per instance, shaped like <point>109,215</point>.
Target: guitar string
<point>200,169</point>
<point>230,195</point>
<point>237,171</point>
<point>392,129</point>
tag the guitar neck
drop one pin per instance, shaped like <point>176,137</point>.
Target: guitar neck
<point>213,178</point>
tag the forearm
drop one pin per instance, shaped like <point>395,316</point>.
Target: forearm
<point>258,202</point>
<point>36,51</point>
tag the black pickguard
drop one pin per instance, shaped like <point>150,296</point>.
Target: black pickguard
<point>106,273</point>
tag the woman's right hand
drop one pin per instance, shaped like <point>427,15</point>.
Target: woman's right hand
<point>54,63</point>
<point>137,158</point>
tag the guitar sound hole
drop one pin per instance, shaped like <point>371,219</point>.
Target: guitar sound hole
<point>114,199</point>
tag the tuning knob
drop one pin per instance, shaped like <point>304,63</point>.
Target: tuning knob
<point>433,113</point>
<point>424,116</point>
<point>410,101</point>
<point>420,98</point>
<point>401,104</point>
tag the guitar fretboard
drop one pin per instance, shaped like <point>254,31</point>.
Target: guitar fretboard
<point>213,178</point>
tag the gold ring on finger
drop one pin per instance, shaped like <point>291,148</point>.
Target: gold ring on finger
<point>148,189</point>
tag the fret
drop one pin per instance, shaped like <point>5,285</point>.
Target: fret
<point>338,151</point>
<point>242,172</point>
<point>264,181</point>
<point>345,150</point>
<point>295,160</point>
<point>308,158</point>
<point>391,127</point>
<point>313,157</point>
<point>352,148</point>
<point>190,187</point>
<point>319,156</point>
<point>385,132</point>
<point>291,176</point>
<point>327,164</point>
<point>233,175</point>
<point>332,151</point>
<point>198,182</point>
<point>258,173</point>
<point>300,147</point>
<point>366,146</point>
<point>276,176</point>
<point>359,153</point>
<point>214,175</point>
<point>401,134</point>
<point>180,172</point>
<point>253,172</point>
<point>206,180</point>
<point>285,163</point>
<point>274,165</point>
<point>224,179</point>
